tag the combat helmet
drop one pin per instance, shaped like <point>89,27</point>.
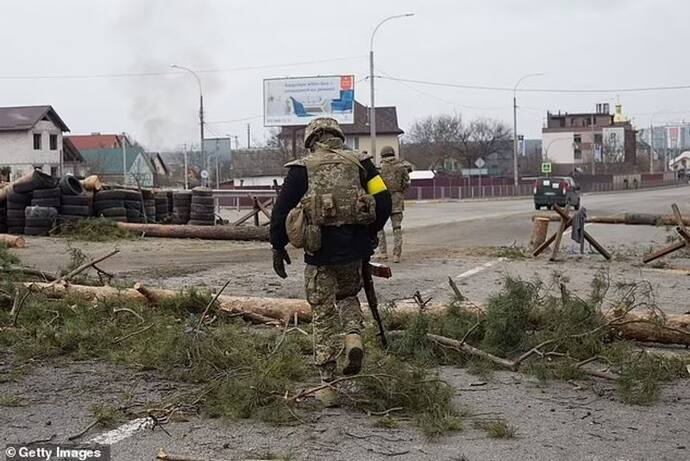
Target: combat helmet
<point>387,151</point>
<point>318,125</point>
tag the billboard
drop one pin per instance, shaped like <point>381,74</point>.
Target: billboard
<point>299,100</point>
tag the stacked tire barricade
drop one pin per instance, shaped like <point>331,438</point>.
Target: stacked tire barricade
<point>38,204</point>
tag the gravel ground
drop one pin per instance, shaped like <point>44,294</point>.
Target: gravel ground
<point>578,420</point>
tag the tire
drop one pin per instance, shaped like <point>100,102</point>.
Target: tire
<point>202,208</point>
<point>131,195</point>
<point>15,214</point>
<point>18,199</point>
<point>16,230</point>
<point>42,231</point>
<point>115,194</point>
<point>41,222</point>
<point>40,212</point>
<point>75,200</point>
<point>113,212</point>
<point>46,193</point>
<point>201,192</point>
<point>537,207</point>
<point>133,204</point>
<point>203,201</point>
<point>194,222</point>
<point>34,180</point>
<point>182,210</point>
<point>69,185</point>
<point>15,222</point>
<point>104,204</point>
<point>74,210</point>
<point>70,218</point>
<point>203,217</point>
<point>3,228</point>
<point>46,202</point>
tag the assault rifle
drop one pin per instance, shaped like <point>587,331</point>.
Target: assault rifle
<point>370,269</point>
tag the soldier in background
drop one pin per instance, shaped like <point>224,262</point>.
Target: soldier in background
<point>344,203</point>
<point>395,173</point>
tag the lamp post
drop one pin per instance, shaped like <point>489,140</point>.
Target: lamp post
<point>515,141</point>
<point>372,105</point>
<point>204,160</point>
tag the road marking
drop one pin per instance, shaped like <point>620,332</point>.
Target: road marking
<point>469,273</point>
<point>123,432</point>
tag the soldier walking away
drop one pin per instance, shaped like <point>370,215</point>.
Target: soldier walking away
<point>334,202</point>
<point>397,178</point>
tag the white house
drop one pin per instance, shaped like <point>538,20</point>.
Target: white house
<point>30,137</point>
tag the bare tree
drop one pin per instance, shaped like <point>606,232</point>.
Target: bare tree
<point>447,136</point>
<point>283,146</point>
<point>441,137</point>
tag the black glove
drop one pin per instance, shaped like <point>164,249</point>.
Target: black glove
<point>280,257</point>
<point>374,242</point>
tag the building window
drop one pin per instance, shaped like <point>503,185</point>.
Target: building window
<point>37,141</point>
<point>355,141</point>
<point>53,142</point>
<point>577,146</point>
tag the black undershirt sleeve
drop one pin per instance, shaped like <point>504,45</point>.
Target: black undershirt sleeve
<point>293,189</point>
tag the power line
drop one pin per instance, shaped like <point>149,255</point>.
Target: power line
<point>173,72</point>
<point>538,90</point>
<point>237,120</point>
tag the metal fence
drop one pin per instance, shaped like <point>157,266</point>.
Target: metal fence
<point>242,198</point>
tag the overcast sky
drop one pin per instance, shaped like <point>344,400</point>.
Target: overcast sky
<point>587,44</point>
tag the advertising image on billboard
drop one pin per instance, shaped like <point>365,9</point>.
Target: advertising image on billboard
<point>297,101</point>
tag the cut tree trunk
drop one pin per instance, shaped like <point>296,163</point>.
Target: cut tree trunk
<point>643,219</point>
<point>637,327</point>
<point>197,232</point>
<point>12,241</point>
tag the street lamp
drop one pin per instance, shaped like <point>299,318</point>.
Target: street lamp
<point>372,105</point>
<point>204,160</point>
<point>515,141</point>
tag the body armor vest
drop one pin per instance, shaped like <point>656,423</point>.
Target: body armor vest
<point>335,195</point>
<point>393,174</point>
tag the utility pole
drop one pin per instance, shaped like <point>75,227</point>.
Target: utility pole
<point>186,166</point>
<point>123,141</point>
<point>372,104</point>
<point>515,142</point>
<point>204,160</point>
<point>651,146</point>
<point>593,143</point>
<point>249,136</point>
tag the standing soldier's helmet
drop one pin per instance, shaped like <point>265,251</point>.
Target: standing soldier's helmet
<point>321,125</point>
<point>387,151</point>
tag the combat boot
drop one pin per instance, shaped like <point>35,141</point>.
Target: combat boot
<point>354,353</point>
<point>382,256</point>
<point>396,258</point>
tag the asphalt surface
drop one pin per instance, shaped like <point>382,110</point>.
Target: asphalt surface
<point>456,239</point>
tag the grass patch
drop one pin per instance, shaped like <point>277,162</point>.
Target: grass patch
<point>11,401</point>
<point>497,428</point>
<point>107,417</point>
<point>512,252</point>
<point>92,230</point>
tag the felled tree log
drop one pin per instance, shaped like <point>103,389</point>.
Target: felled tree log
<point>61,290</point>
<point>644,219</point>
<point>198,232</point>
<point>675,329</point>
<point>285,310</point>
<point>12,241</point>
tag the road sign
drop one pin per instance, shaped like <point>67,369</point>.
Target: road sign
<point>480,162</point>
<point>546,167</point>
<point>204,174</point>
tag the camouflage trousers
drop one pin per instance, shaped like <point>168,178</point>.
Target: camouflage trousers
<point>332,294</point>
<point>396,221</point>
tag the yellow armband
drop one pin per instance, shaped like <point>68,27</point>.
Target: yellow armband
<point>375,185</point>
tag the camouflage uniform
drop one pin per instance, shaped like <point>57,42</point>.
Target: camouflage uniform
<point>333,198</point>
<point>332,295</point>
<point>395,174</point>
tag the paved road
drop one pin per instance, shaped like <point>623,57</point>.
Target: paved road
<point>502,222</point>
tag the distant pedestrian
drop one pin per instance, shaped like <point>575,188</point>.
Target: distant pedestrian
<point>397,178</point>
